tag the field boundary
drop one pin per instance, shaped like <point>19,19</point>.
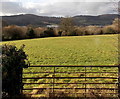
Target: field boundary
<point>116,90</point>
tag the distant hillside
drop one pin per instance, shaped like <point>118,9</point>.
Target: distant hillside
<point>23,20</point>
<point>101,20</point>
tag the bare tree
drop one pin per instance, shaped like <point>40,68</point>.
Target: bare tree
<point>67,25</point>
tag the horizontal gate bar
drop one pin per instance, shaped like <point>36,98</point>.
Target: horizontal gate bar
<point>65,72</point>
<point>87,93</point>
<point>114,89</point>
<point>72,66</point>
<point>68,77</point>
<point>74,88</point>
<point>70,83</point>
<point>70,93</point>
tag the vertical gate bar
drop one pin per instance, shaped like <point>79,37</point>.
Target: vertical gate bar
<point>85,81</point>
<point>53,81</point>
<point>119,81</point>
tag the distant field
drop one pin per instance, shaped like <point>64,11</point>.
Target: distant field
<point>79,50</point>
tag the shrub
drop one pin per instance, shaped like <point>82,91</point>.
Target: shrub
<point>60,33</point>
<point>30,33</point>
<point>39,32</point>
<point>80,31</point>
<point>93,30</point>
<point>64,33</point>
<point>24,31</point>
<point>72,33</point>
<point>12,33</point>
<point>108,30</point>
<point>13,61</point>
<point>56,32</point>
<point>49,32</point>
<point>116,25</point>
<point>101,31</point>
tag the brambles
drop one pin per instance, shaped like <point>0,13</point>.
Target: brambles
<point>13,61</point>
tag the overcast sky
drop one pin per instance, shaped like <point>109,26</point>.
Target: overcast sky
<point>58,7</point>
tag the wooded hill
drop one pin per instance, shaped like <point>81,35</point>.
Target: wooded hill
<point>80,20</point>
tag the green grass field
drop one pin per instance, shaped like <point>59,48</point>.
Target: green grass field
<point>85,50</point>
<point>79,50</point>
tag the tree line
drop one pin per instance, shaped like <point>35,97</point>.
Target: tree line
<point>66,28</point>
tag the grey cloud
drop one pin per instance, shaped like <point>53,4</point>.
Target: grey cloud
<point>78,8</point>
<point>11,7</point>
<point>61,8</point>
<point>15,8</point>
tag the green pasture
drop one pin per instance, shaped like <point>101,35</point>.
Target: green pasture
<point>79,50</point>
<point>72,50</point>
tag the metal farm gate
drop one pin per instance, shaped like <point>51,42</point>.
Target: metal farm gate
<point>72,81</point>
